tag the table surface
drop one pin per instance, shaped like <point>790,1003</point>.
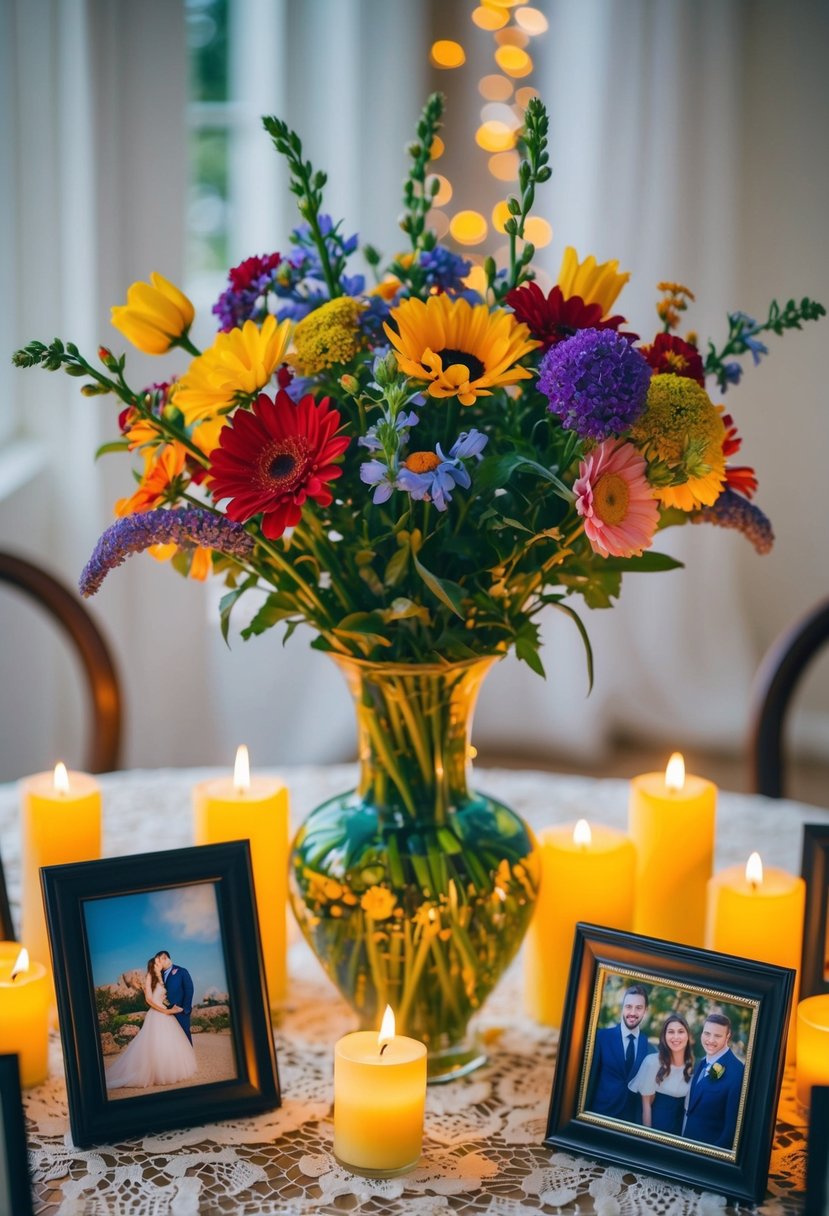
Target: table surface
<point>483,1150</point>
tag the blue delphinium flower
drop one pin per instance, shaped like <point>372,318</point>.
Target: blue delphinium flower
<point>402,425</point>
<point>731,373</point>
<point>444,270</point>
<point>733,511</point>
<point>434,476</point>
<point>744,330</point>
<point>382,476</point>
<point>596,383</point>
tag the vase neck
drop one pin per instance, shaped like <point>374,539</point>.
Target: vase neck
<point>413,726</point>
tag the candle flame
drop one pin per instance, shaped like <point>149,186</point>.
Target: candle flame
<point>675,773</point>
<point>61,778</point>
<point>386,1029</point>
<point>21,963</point>
<point>582,834</point>
<point>241,770</point>
<point>754,870</point>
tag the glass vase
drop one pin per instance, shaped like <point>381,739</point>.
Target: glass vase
<point>412,890</point>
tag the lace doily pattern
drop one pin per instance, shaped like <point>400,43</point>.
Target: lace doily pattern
<point>483,1151</point>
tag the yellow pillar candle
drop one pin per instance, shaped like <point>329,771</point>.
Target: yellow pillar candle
<point>61,822</point>
<point>25,998</point>
<point>812,1046</point>
<point>253,809</point>
<point>379,1099</point>
<point>587,874</point>
<point>758,913</point>
<point>671,820</point>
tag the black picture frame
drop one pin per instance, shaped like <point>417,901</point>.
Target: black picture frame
<point>6,923</point>
<point>93,1117</point>
<point>765,991</point>
<point>817,1169</point>
<point>14,1166</point>
<point>814,972</point>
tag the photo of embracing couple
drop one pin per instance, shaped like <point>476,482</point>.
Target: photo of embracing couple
<point>686,1083</point>
<point>162,1051</point>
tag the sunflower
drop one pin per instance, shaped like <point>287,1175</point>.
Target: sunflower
<point>596,282</point>
<point>271,459</point>
<point>682,429</point>
<point>460,350</point>
<point>240,361</point>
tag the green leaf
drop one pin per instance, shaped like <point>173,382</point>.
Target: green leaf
<point>396,567</point>
<point>277,607</point>
<point>449,593</point>
<point>401,609</point>
<point>226,605</point>
<point>117,445</point>
<point>364,628</point>
<point>526,649</point>
<point>646,564</point>
<point>588,649</point>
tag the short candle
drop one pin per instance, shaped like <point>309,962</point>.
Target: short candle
<point>812,1046</point>
<point>379,1100</point>
<point>61,823</point>
<point>671,820</point>
<point>757,912</point>
<point>587,874</point>
<point>253,809</point>
<point>25,998</point>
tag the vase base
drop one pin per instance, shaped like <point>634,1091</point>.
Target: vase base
<point>453,1062</point>
<point>367,1173</point>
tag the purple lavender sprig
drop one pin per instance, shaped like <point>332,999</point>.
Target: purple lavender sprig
<point>135,533</point>
<point>733,511</point>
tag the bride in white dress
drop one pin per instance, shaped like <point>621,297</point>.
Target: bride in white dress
<point>161,1053</point>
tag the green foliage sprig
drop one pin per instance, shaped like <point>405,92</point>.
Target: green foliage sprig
<point>743,336</point>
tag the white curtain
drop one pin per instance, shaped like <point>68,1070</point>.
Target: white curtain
<point>687,139</point>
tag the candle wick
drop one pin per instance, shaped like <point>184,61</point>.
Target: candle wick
<point>383,1048</point>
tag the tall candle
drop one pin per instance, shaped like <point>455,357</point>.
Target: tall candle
<point>812,1046</point>
<point>25,998</point>
<point>379,1100</point>
<point>671,820</point>
<point>253,809</point>
<point>61,823</point>
<point>757,912</point>
<point>587,874</point>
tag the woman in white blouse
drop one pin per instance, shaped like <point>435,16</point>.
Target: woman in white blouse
<point>664,1077</point>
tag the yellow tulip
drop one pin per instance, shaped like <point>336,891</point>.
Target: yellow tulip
<point>596,282</point>
<point>154,316</point>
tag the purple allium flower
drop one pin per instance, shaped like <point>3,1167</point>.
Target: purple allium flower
<point>135,533</point>
<point>596,383</point>
<point>733,511</point>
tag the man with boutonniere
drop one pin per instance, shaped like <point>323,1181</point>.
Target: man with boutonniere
<point>714,1094</point>
<point>617,1054</point>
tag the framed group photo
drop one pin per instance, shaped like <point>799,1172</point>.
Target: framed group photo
<point>814,974</point>
<point>161,992</point>
<point>670,1060</point>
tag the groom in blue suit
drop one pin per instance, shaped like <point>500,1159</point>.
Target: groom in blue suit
<point>179,987</point>
<point>617,1054</point>
<point>714,1095</point>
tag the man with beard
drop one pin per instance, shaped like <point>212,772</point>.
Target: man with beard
<point>617,1054</point>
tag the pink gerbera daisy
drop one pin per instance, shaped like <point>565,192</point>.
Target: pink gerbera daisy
<point>614,498</point>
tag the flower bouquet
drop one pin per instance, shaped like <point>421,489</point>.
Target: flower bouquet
<point>418,467</point>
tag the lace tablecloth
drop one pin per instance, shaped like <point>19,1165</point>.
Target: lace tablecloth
<point>482,1151</point>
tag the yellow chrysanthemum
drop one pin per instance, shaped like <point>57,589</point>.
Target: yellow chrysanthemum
<point>329,336</point>
<point>682,428</point>
<point>378,902</point>
<point>154,316</point>
<point>241,361</point>
<point>460,350</point>
<point>596,282</point>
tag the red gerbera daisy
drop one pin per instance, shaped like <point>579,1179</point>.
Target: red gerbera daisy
<point>552,319</point>
<point>738,477</point>
<point>669,354</point>
<point>273,458</point>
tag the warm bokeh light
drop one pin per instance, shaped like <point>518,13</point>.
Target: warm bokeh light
<point>437,149</point>
<point>495,137</point>
<point>538,231</point>
<point>445,191</point>
<point>512,37</point>
<point>498,111</point>
<point>447,54</point>
<point>471,752</point>
<point>60,779</point>
<point>531,19</point>
<point>21,963</point>
<point>386,1027</point>
<point>476,281</point>
<point>504,166</point>
<point>581,834</point>
<point>500,215</point>
<point>241,770</point>
<point>503,3</point>
<point>438,220</point>
<point>754,870</point>
<point>496,88</point>
<point>524,94</point>
<point>486,17</point>
<point>513,61</point>
<point>468,227</point>
<point>675,772</point>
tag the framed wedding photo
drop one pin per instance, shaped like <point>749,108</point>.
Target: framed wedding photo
<point>814,974</point>
<point>670,1061</point>
<point>162,1001</point>
<point>15,1184</point>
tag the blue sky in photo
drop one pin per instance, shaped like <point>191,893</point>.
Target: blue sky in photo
<point>124,931</point>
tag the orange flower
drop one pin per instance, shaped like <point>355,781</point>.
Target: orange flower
<point>160,470</point>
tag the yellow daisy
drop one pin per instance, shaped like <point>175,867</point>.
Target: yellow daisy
<point>596,282</point>
<point>241,361</point>
<point>460,350</point>
<point>682,428</point>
